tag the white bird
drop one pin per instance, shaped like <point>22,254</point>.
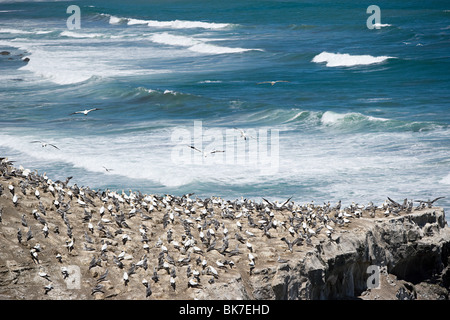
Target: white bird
<point>244,134</point>
<point>291,231</point>
<point>85,112</point>
<point>65,272</point>
<point>172,282</point>
<point>44,144</point>
<point>272,82</point>
<point>220,264</point>
<point>15,200</point>
<point>249,233</point>
<point>213,271</point>
<point>125,278</point>
<point>205,154</point>
<point>193,283</point>
<point>197,250</point>
<point>69,244</point>
<point>45,230</point>
<point>44,275</point>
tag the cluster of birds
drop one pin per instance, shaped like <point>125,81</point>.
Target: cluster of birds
<point>204,239</point>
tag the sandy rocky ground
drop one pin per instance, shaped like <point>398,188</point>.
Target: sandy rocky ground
<point>62,241</point>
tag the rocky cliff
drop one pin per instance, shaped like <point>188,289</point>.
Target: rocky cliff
<point>68,242</point>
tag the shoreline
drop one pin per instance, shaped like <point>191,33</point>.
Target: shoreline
<point>197,248</point>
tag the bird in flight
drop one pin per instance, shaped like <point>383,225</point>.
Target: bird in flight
<point>44,144</point>
<point>272,82</point>
<point>85,112</point>
<point>107,170</point>
<point>205,154</point>
<point>244,134</point>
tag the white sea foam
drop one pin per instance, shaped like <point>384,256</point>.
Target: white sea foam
<point>194,44</point>
<point>18,31</point>
<point>347,60</point>
<point>14,31</point>
<point>213,49</point>
<point>210,81</point>
<point>174,40</point>
<point>72,34</point>
<point>63,66</point>
<point>331,118</point>
<point>381,25</point>
<point>174,24</point>
<point>445,180</point>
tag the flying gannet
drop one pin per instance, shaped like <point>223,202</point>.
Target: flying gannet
<point>244,134</point>
<point>272,82</point>
<point>44,144</point>
<point>205,154</point>
<point>85,112</point>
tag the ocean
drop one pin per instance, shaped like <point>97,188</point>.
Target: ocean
<point>358,114</point>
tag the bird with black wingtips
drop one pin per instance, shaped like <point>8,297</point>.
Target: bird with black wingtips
<point>291,244</point>
<point>48,288</point>
<point>29,234</point>
<point>94,263</point>
<point>204,153</point>
<point>429,203</point>
<point>244,134</point>
<point>103,277</point>
<point>148,290</point>
<point>44,275</point>
<point>11,189</point>
<point>45,230</point>
<point>86,111</point>
<point>272,82</point>
<point>44,144</point>
<point>172,283</point>
<point>155,276</point>
<point>19,235</point>
<point>34,255</point>
<point>118,262</point>
<point>97,288</point>
<point>65,272</point>
<point>125,278</point>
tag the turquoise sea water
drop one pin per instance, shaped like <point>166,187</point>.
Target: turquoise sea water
<point>360,115</point>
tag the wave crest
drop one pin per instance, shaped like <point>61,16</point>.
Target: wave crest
<point>174,24</point>
<point>347,60</point>
<point>194,44</point>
